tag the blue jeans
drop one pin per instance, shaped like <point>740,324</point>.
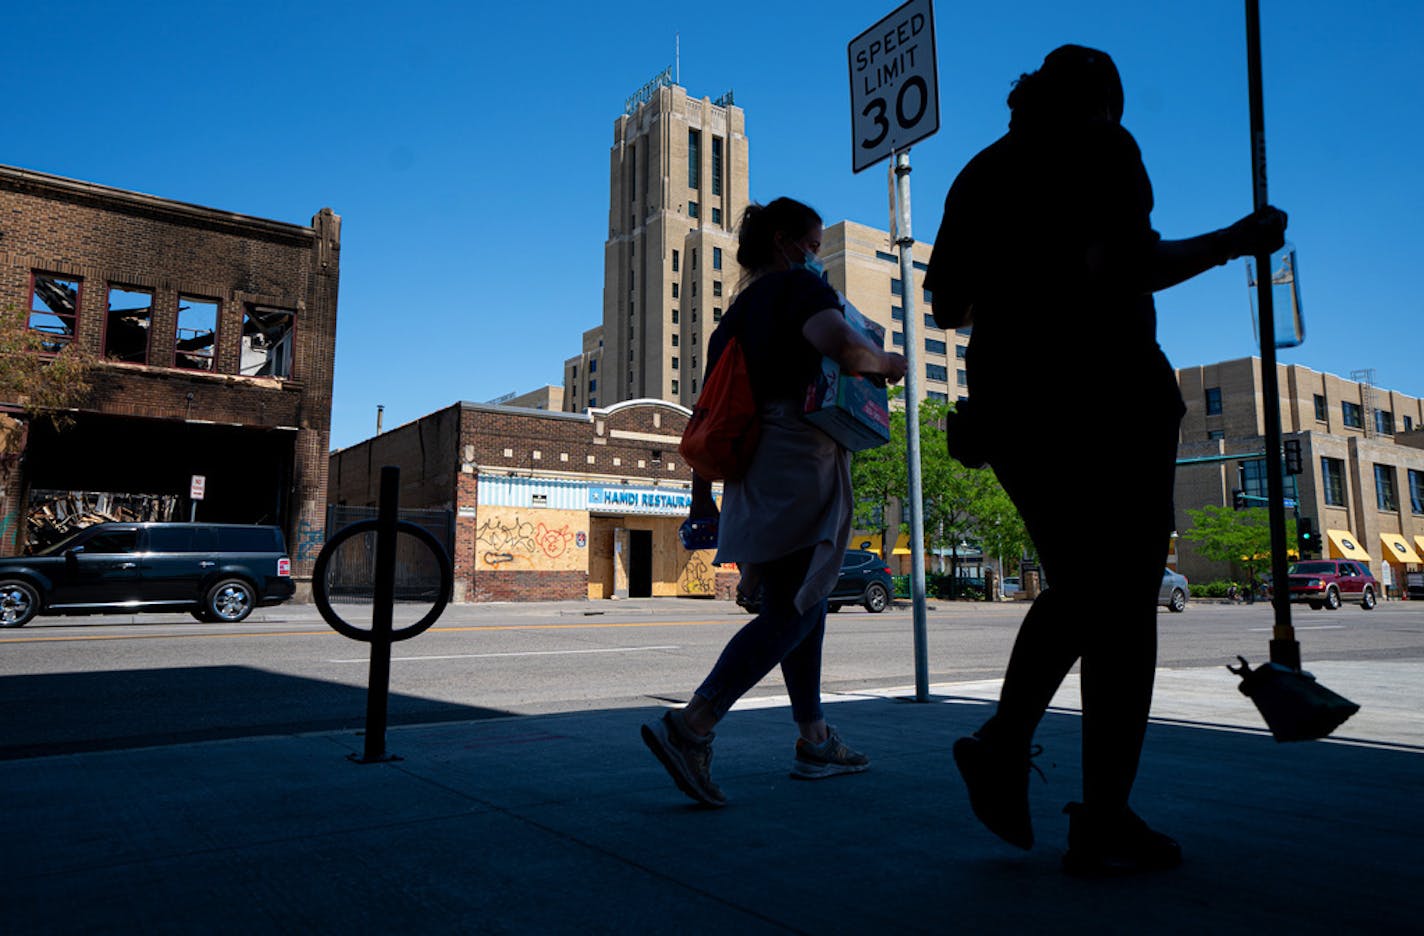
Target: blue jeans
<point>779,634</point>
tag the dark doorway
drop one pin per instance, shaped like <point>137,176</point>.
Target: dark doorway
<point>640,563</point>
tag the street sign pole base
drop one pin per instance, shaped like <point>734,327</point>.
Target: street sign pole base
<point>355,758</point>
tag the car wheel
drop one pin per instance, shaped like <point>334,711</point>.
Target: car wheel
<point>833,607</point>
<point>1367,600</point>
<point>876,598</point>
<point>19,601</point>
<point>1178,602</point>
<point>229,601</point>
<point>1332,598</point>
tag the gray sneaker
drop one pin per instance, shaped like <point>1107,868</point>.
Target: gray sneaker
<point>830,758</point>
<point>688,762</point>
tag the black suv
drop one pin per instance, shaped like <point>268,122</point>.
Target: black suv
<point>864,580</point>
<point>217,572</point>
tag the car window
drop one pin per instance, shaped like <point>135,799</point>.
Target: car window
<point>170,539</point>
<point>247,539</point>
<point>112,541</point>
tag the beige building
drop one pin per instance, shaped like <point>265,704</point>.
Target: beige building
<point>1362,455</point>
<point>677,189</point>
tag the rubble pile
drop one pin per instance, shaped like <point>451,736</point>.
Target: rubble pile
<point>53,515</point>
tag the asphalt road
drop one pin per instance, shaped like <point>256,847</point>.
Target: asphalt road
<point>118,681</point>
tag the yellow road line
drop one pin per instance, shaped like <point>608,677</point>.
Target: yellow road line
<point>327,632</point>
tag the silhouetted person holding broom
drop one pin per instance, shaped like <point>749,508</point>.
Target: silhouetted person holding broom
<point>1047,249</point>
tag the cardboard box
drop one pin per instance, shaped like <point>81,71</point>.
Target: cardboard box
<point>851,409</point>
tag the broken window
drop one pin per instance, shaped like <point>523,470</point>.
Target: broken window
<point>197,333</point>
<point>267,336</point>
<point>126,328</point>
<point>54,310</point>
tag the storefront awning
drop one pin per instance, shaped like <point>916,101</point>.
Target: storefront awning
<point>873,541</point>
<point>1419,544</point>
<point>1343,545</point>
<point>1396,550</point>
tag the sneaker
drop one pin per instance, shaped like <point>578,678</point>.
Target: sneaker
<point>688,762</point>
<point>998,787</point>
<point>828,759</point>
<point>1101,846</point>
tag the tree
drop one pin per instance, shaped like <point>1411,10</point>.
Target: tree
<point>1240,537</point>
<point>41,384</point>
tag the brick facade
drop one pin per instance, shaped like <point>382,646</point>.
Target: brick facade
<point>106,239</point>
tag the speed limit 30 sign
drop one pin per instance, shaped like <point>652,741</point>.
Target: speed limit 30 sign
<point>894,84</point>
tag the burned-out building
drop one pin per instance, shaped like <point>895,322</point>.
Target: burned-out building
<point>211,337</point>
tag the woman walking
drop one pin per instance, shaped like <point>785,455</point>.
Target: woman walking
<point>786,523</point>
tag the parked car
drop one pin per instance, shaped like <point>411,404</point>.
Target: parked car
<point>1327,583</point>
<point>1174,591</point>
<point>864,580</point>
<point>216,572</point>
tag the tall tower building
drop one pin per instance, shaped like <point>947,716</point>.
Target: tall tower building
<point>677,189</point>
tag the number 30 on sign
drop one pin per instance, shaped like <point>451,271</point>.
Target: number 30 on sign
<point>894,84</point>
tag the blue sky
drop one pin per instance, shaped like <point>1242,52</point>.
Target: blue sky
<point>466,147</point>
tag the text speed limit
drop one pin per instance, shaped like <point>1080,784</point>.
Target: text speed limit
<point>894,84</point>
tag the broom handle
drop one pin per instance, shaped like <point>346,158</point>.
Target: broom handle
<point>1285,649</point>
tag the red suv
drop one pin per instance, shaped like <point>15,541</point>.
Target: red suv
<point>1325,583</point>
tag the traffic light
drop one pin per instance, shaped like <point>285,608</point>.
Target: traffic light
<point>1293,464</point>
<point>1306,537</point>
<point>1238,499</point>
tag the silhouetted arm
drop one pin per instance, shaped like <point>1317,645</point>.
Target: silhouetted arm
<point>829,333</point>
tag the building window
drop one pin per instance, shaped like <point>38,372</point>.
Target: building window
<point>674,341</point>
<point>936,395</point>
<point>267,342</point>
<point>674,362</point>
<point>1416,491</point>
<point>694,287</point>
<point>54,310</point>
<point>937,372</point>
<point>716,287</point>
<point>716,215</point>
<point>1385,495</point>
<point>929,297</point>
<point>1408,423</point>
<point>674,261</point>
<point>931,323</point>
<point>960,351</point>
<point>127,325</point>
<point>1384,422</point>
<point>694,160</point>
<point>694,362</point>
<point>674,316</point>
<point>897,288</point>
<point>887,257</point>
<point>897,313</point>
<point>694,385</point>
<point>674,290</point>
<point>716,258</point>
<point>592,384</point>
<point>694,258</point>
<point>593,365</point>
<point>716,314</point>
<point>898,339</point>
<point>1354,417</point>
<point>1253,481</point>
<point>592,401</point>
<point>935,346</point>
<point>962,377</point>
<point>1215,435</point>
<point>1213,401</point>
<point>922,267</point>
<point>694,315</point>
<point>694,337</point>
<point>1321,413</point>
<point>197,333</point>
<point>716,168</point>
<point>692,209</point>
<point>1332,476</point>
<point>674,387</point>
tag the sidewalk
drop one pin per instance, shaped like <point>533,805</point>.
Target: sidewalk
<point>565,823</point>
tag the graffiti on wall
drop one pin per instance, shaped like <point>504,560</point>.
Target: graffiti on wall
<point>698,577</point>
<point>508,539</point>
<point>310,537</point>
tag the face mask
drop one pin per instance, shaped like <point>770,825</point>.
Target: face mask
<point>812,263</point>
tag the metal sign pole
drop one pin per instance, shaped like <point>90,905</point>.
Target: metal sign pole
<point>1285,649</point>
<point>379,687</point>
<point>906,242</point>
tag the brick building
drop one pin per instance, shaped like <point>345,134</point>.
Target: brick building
<point>1362,448</point>
<point>545,505</point>
<point>213,336</point>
